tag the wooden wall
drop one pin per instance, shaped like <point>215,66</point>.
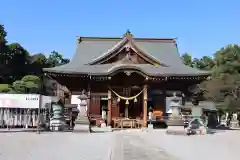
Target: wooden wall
<point>94,107</point>
<point>99,89</point>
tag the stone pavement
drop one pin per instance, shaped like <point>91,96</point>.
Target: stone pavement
<point>78,146</point>
<point>129,146</point>
<point>55,146</point>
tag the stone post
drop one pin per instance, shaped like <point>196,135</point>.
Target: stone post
<point>234,122</point>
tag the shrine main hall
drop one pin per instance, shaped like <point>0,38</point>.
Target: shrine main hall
<point>127,76</point>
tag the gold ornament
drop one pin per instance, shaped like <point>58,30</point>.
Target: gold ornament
<point>127,102</point>
<point>135,100</point>
<point>118,99</point>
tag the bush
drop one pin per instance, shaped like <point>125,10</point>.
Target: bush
<point>4,88</point>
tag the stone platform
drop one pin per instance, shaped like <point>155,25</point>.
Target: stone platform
<point>176,130</point>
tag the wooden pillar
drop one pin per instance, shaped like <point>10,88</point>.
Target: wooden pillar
<point>145,110</point>
<point>109,120</point>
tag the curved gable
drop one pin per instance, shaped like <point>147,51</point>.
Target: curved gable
<point>125,46</point>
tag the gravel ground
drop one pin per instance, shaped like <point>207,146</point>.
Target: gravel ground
<point>118,146</point>
<point>221,146</point>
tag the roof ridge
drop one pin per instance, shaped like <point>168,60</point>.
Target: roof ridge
<point>137,39</point>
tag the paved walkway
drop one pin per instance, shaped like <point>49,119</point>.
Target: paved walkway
<point>77,146</point>
<point>55,146</point>
<point>129,146</point>
<point>118,146</point>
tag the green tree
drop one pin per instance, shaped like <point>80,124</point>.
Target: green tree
<point>227,60</point>
<point>28,84</point>
<point>206,63</point>
<point>20,71</point>
<point>3,52</point>
<point>3,35</point>
<point>56,59</point>
<point>17,56</point>
<point>225,83</point>
<point>187,59</point>
<point>36,63</point>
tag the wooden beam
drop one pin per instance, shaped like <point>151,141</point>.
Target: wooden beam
<point>109,120</point>
<point>145,110</point>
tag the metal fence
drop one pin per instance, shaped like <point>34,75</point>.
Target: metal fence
<point>21,117</point>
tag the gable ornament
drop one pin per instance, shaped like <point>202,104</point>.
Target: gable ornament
<point>128,73</point>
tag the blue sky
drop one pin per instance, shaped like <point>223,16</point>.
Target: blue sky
<point>202,27</point>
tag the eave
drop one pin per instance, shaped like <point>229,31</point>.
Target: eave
<point>113,70</point>
<point>148,78</point>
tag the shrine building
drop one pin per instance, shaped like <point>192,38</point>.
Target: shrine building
<point>126,76</point>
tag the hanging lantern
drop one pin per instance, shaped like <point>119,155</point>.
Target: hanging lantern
<point>135,100</point>
<point>127,102</point>
<point>118,99</point>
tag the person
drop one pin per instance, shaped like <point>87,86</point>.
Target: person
<point>150,113</point>
<point>104,115</point>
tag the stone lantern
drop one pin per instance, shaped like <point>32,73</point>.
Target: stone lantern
<point>57,122</point>
<point>82,123</point>
<point>175,105</point>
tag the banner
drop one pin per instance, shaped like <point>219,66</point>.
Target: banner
<point>19,100</point>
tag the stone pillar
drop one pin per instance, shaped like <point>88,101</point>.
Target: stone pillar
<point>145,110</point>
<point>109,119</point>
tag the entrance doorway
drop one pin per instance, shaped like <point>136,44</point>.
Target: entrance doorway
<point>132,110</point>
<point>104,108</point>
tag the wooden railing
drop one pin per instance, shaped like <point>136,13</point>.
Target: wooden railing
<point>121,122</point>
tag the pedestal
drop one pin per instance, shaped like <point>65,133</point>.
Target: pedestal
<point>175,119</point>
<point>57,122</point>
<point>176,130</point>
<point>57,125</point>
<point>150,127</point>
<point>82,125</point>
<point>234,124</point>
<point>223,122</point>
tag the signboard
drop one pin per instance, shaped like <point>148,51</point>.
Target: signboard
<point>19,100</point>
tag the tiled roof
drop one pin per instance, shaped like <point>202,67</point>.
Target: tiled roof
<point>90,49</point>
